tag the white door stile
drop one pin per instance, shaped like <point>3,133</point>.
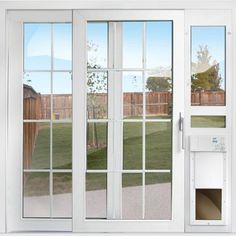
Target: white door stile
<point>110,141</point>
<point>79,118</point>
<point>118,124</point>
<point>3,119</point>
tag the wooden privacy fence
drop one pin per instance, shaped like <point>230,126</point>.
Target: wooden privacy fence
<point>157,103</point>
<point>208,98</point>
<point>38,106</point>
<point>32,110</point>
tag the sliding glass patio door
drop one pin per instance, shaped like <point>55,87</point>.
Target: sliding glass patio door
<point>130,167</point>
<point>96,101</point>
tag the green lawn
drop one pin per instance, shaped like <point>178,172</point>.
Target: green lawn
<point>208,122</point>
<point>158,155</point>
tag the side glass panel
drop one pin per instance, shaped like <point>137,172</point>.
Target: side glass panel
<point>208,66</point>
<point>47,120</point>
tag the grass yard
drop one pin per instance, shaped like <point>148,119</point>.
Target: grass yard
<point>158,154</point>
<point>208,122</point>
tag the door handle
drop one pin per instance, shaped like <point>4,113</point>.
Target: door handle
<point>181,129</point>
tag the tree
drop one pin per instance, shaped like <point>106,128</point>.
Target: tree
<point>96,85</point>
<point>158,84</point>
<point>205,75</point>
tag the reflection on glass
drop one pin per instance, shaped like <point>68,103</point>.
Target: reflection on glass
<point>96,192</point>
<point>132,44</point>
<point>208,121</point>
<point>159,44</point>
<point>62,146</point>
<point>62,195</point>
<point>97,145</point>
<point>97,43</point>
<point>37,46</point>
<point>36,195</point>
<point>36,89</point>
<point>208,204</point>
<point>62,96</point>
<point>132,95</point>
<point>208,66</point>
<point>36,145</point>
<point>158,196</point>
<point>159,94</point>
<point>131,196</point>
<point>97,95</point>
<point>132,145</point>
<point>158,145</point>
<point>62,46</point>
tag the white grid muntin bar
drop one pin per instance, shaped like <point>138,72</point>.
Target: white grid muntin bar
<point>46,71</point>
<point>128,171</point>
<point>47,121</point>
<point>90,70</point>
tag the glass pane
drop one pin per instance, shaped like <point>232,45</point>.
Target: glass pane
<point>97,43</point>
<point>62,146</point>
<point>62,45</point>
<point>97,95</point>
<point>37,46</point>
<point>96,146</point>
<point>158,145</point>
<point>208,121</point>
<point>37,89</point>
<point>132,44</point>
<point>159,94</point>
<point>158,196</point>
<point>62,195</point>
<point>132,145</point>
<point>159,44</point>
<point>208,66</point>
<point>36,195</point>
<point>36,145</point>
<point>131,196</point>
<point>62,96</point>
<point>208,204</point>
<point>132,95</point>
<point>96,195</point>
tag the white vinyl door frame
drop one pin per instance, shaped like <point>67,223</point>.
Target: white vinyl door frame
<point>80,223</point>
<point>15,219</point>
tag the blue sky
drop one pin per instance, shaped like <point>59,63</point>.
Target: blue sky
<point>37,50</point>
<point>214,38</point>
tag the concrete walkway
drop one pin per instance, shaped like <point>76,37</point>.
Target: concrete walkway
<point>157,203</point>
